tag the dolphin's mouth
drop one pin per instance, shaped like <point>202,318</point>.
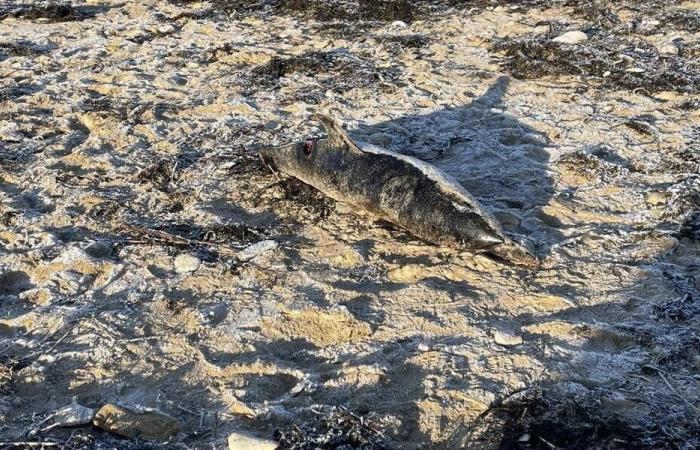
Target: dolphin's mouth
<point>514,253</point>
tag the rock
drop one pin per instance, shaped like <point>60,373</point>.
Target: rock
<point>668,48</point>
<point>149,425</point>
<point>654,198</point>
<point>256,249</point>
<point>571,37</point>
<point>240,441</point>
<point>399,24</point>
<point>71,416</point>
<point>186,263</point>
<point>215,314</point>
<point>166,29</point>
<point>506,339</point>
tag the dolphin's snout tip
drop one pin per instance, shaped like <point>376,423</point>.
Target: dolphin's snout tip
<point>516,254</point>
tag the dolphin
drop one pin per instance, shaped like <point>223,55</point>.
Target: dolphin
<point>405,191</point>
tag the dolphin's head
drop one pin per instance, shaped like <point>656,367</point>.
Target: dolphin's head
<point>314,156</point>
<point>298,158</point>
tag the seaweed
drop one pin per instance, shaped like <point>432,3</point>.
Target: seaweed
<point>8,49</point>
<point>365,10</point>
<point>55,11</point>
<point>546,417</point>
<point>613,61</point>
<point>335,70</point>
<point>684,19</point>
<point>338,429</point>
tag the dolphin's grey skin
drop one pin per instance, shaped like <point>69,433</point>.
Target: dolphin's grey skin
<point>403,190</point>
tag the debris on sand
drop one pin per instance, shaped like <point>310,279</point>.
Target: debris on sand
<point>615,61</point>
<point>569,415</point>
<point>335,70</point>
<point>256,249</point>
<point>147,425</point>
<point>56,11</point>
<point>8,49</point>
<point>338,429</point>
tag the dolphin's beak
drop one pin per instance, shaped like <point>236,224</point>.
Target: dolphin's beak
<point>515,253</point>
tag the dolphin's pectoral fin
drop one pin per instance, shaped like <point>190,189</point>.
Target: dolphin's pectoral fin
<point>336,135</point>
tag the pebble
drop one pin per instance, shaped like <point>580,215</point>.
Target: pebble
<point>166,29</point>
<point>240,441</point>
<point>656,197</point>
<point>399,24</point>
<point>507,339</point>
<point>71,416</point>
<point>150,425</point>
<point>668,48</point>
<point>571,37</point>
<point>186,263</point>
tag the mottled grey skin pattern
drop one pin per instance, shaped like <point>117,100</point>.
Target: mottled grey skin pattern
<point>402,190</point>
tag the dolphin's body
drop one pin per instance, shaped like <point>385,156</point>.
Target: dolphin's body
<point>400,189</point>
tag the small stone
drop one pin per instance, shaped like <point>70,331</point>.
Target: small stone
<point>71,416</point>
<point>240,441</point>
<point>571,37</point>
<point>150,425</point>
<point>186,263</point>
<point>215,314</point>
<point>668,48</point>
<point>507,339</point>
<point>656,197</point>
<point>166,29</point>
<point>399,24</point>
<point>423,347</point>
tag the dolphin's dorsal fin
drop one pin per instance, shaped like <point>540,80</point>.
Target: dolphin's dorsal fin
<point>336,135</point>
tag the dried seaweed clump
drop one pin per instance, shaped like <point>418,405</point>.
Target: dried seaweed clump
<point>339,429</point>
<point>551,417</point>
<point>365,10</point>
<point>336,70</point>
<point>615,61</point>
<point>684,19</point>
<point>230,8</point>
<point>56,11</point>
<point>8,49</point>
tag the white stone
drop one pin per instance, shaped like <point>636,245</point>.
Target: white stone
<point>240,441</point>
<point>506,339</point>
<point>668,48</point>
<point>186,263</point>
<point>165,29</point>
<point>571,37</point>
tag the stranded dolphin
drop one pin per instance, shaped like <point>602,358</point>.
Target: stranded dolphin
<point>400,189</point>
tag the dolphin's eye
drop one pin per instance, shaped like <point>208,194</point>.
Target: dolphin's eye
<point>309,147</point>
